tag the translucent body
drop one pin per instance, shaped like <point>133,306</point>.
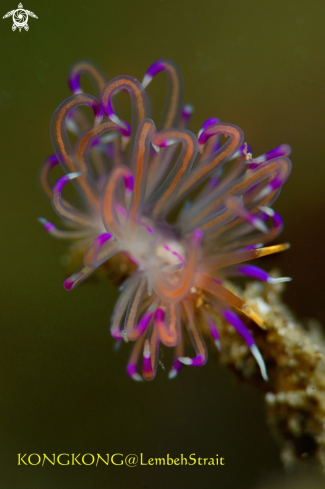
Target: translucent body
<point>130,179</point>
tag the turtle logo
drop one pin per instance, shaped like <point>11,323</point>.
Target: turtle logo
<point>20,18</point>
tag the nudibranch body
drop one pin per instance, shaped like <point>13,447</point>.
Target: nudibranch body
<point>184,212</point>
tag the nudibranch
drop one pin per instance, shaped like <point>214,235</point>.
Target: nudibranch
<point>173,213</point>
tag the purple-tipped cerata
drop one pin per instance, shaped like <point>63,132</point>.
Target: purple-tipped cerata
<point>186,114</point>
<point>169,213</point>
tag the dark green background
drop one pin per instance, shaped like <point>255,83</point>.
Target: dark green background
<point>258,64</point>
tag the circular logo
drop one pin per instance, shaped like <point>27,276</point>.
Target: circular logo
<point>20,18</point>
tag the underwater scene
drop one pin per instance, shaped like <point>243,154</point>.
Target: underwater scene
<point>161,208</point>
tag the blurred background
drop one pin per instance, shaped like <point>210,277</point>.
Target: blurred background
<point>63,388</point>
